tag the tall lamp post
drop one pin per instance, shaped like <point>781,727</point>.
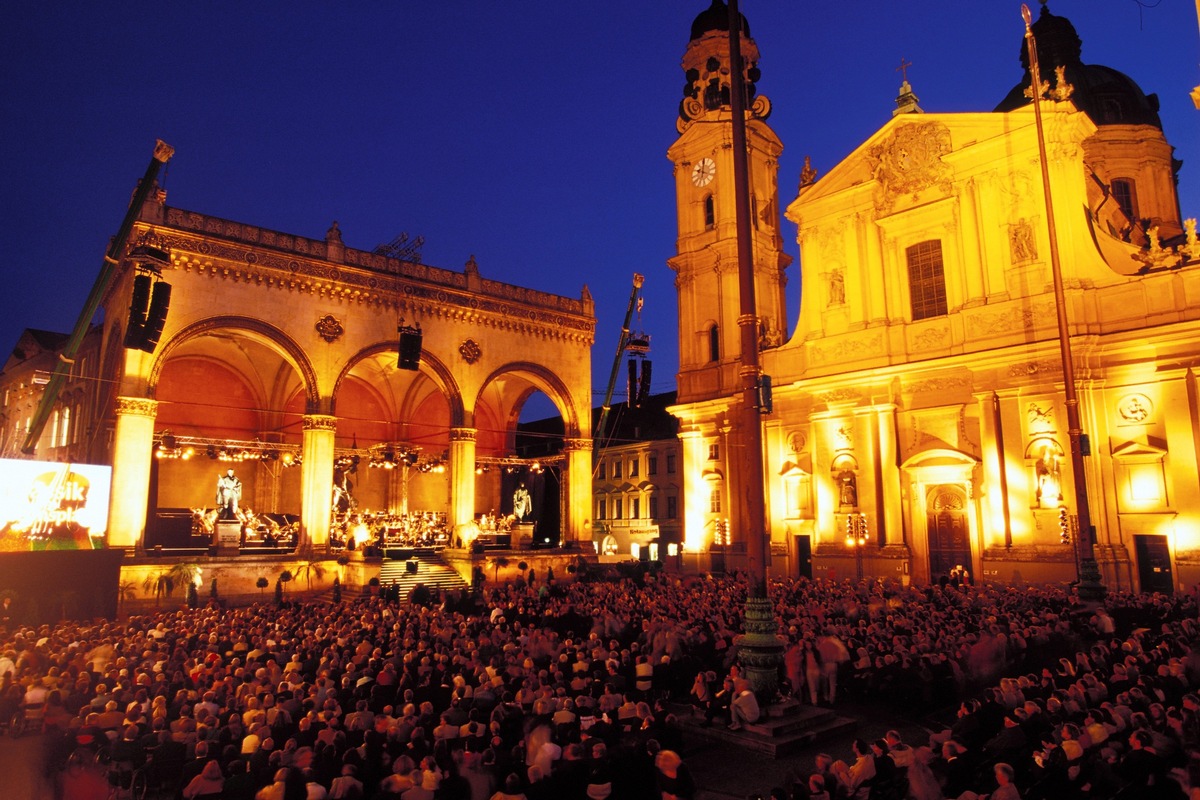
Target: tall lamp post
<point>857,535</point>
<point>1090,586</point>
<point>760,650</point>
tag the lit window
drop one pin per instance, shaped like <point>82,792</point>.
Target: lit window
<point>926,280</point>
<point>65,437</point>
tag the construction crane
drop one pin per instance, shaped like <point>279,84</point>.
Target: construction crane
<point>598,434</point>
<point>116,251</point>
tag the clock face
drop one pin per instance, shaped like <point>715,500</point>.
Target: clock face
<point>704,171</point>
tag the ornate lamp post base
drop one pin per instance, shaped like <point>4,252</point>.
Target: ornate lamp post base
<point>1091,585</point>
<point>760,650</point>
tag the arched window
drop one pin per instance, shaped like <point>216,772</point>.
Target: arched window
<point>714,343</point>
<point>710,213</point>
<point>926,280</point>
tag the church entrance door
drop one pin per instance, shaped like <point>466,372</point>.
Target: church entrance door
<point>946,522</point>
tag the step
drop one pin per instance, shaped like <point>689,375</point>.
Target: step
<point>775,736</point>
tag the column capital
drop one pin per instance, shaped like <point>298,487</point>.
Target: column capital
<point>462,434</point>
<point>137,406</point>
<point>318,422</point>
<point>570,444</point>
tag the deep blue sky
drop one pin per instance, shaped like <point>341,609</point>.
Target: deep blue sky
<point>532,135</point>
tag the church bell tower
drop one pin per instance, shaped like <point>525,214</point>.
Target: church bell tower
<point>706,263</point>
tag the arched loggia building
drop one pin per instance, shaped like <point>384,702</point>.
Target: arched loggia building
<point>282,351</point>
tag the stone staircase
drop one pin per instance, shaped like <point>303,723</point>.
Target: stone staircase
<point>787,727</point>
<point>431,570</point>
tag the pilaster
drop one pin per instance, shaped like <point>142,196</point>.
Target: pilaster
<point>316,478</point>
<point>133,447</point>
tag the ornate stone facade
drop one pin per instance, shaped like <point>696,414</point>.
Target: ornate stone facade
<point>921,385</point>
<point>276,343</point>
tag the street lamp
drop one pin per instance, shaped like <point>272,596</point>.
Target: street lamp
<point>857,535</point>
<point>1090,585</point>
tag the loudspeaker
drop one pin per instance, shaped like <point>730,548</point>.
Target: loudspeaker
<point>631,383</point>
<point>410,348</point>
<point>137,312</point>
<point>644,385</point>
<point>160,302</point>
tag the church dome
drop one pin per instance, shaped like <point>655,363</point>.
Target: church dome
<point>715,18</point>
<point>1107,96</point>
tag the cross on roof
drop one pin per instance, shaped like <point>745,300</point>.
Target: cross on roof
<point>903,68</point>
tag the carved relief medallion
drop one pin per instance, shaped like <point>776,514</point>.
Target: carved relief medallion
<point>470,351</point>
<point>329,328</point>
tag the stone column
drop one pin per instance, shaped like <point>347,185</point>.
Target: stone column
<point>891,521</point>
<point>462,476</point>
<point>578,520</point>
<point>316,479</point>
<point>133,447</point>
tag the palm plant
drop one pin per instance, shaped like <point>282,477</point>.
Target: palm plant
<point>309,570</point>
<point>500,562</point>
<point>125,592</point>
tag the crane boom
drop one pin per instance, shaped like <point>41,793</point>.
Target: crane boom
<point>598,434</point>
<point>162,154</point>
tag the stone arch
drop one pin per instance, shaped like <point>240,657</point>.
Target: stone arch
<point>545,381</point>
<point>431,367</point>
<point>289,349</point>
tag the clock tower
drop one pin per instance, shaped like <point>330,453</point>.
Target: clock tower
<point>706,264</point>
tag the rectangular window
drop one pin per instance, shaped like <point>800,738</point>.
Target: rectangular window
<point>617,508</point>
<point>616,468</point>
<point>653,506</point>
<point>601,472</point>
<point>670,463</point>
<point>635,508</point>
<point>714,501</point>
<point>634,466</point>
<point>714,452</point>
<point>602,509</point>
<point>1125,195</point>
<point>651,464</point>
<point>672,507</point>
<point>926,280</point>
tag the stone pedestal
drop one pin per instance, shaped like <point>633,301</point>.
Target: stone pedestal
<point>228,537</point>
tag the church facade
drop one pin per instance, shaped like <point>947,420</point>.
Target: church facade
<point>918,424</point>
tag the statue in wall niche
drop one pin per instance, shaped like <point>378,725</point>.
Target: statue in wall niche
<point>1021,240</point>
<point>837,288</point>
<point>1048,473</point>
<point>848,488</point>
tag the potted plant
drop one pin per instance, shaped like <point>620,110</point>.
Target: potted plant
<point>262,584</point>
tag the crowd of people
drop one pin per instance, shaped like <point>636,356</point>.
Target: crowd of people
<point>574,690</point>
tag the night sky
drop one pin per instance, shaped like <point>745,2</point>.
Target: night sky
<point>532,135</point>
